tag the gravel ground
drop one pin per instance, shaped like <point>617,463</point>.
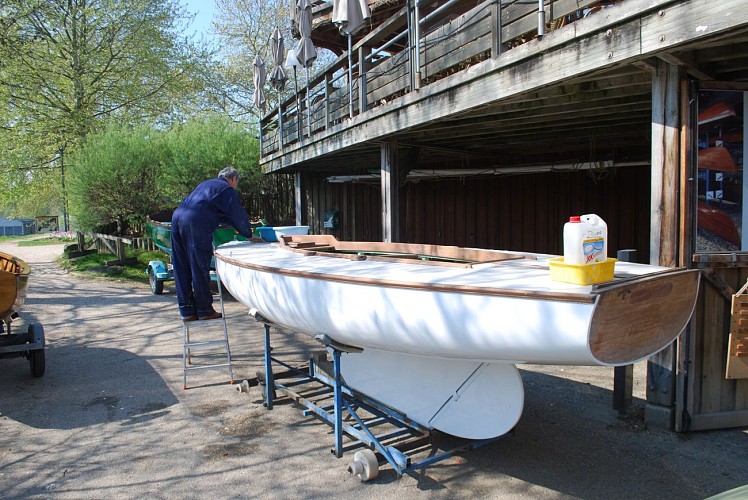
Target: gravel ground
<point>110,419</point>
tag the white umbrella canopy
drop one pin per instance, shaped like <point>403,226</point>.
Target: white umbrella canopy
<point>350,15</point>
<point>278,51</point>
<point>259,99</point>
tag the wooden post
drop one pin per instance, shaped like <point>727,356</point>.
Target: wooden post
<point>297,196</point>
<point>280,124</point>
<point>363,66</point>
<point>390,189</point>
<point>328,87</point>
<point>623,376</point>
<point>496,45</point>
<point>664,238</point>
<point>81,241</point>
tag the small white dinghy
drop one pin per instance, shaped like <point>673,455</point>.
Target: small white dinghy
<point>441,328</point>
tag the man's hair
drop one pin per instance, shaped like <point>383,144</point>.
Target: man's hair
<point>229,173</point>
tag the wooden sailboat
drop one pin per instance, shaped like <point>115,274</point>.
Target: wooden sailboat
<point>14,278</point>
<point>436,321</point>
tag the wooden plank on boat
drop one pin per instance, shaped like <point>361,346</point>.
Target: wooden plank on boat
<point>737,353</point>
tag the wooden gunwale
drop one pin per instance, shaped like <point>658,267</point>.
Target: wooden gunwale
<point>466,289</point>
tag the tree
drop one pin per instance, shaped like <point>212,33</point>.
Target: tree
<point>115,177</point>
<point>201,147</point>
<point>245,28</point>
<point>126,173</point>
<point>67,65</point>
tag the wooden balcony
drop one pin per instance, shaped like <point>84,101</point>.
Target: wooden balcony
<point>469,75</point>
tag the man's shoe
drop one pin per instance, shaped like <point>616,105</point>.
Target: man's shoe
<point>213,315</point>
<point>191,318</point>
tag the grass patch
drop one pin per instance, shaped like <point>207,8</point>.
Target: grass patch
<point>18,238</point>
<point>48,239</point>
<point>95,264</point>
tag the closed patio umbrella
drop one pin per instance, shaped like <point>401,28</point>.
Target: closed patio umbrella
<point>258,100</point>
<point>278,51</point>
<point>350,16</point>
<point>304,50</point>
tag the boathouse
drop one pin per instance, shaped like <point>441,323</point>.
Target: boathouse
<point>488,123</point>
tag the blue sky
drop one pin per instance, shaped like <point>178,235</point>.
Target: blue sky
<point>204,10</point>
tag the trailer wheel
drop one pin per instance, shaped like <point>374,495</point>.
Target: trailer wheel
<point>36,356</point>
<point>157,286</point>
<point>364,465</point>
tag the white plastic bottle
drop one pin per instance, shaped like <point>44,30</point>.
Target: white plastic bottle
<point>585,240</point>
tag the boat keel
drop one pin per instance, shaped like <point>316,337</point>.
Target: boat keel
<point>467,399</point>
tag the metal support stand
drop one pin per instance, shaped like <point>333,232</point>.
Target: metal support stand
<point>401,434</point>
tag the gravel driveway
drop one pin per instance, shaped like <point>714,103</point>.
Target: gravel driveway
<point>109,419</point>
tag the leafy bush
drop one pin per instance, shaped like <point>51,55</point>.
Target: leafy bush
<point>115,177</point>
<point>123,174</point>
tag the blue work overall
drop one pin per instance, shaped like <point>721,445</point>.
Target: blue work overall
<point>212,203</point>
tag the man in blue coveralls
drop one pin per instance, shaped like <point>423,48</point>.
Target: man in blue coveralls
<point>213,202</point>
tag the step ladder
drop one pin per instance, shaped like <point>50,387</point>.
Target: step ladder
<point>206,327</point>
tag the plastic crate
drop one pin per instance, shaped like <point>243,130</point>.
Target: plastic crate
<point>588,274</point>
<point>267,233</point>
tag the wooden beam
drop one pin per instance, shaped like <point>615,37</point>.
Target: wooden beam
<point>686,61</point>
<point>390,189</point>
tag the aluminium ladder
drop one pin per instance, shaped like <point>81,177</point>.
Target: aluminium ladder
<point>209,326</point>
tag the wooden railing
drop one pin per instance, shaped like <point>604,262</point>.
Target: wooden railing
<point>406,60</point>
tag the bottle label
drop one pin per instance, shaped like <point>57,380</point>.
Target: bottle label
<point>593,250</point>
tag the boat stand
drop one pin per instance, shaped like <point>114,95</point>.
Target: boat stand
<point>355,414</point>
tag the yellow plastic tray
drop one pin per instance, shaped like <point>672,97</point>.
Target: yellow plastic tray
<point>589,274</point>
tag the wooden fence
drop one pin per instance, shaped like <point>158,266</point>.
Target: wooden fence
<point>106,243</point>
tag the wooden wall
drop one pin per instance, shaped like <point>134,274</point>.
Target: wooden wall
<point>714,401</point>
<point>517,212</point>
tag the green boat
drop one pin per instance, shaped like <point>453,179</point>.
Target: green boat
<point>158,229</point>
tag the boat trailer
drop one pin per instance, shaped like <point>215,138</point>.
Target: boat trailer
<point>29,344</point>
<point>321,392</point>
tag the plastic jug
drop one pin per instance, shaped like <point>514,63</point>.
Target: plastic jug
<point>585,240</point>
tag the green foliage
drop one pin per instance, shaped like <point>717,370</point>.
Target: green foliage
<point>68,65</point>
<point>200,148</point>
<point>126,173</point>
<point>115,177</point>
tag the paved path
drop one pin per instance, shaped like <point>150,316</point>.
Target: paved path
<point>109,419</point>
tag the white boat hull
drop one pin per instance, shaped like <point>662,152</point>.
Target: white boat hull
<point>440,341</point>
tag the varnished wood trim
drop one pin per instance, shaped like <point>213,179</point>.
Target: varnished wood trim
<point>638,318</point>
<point>7,292</point>
<point>14,275</point>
